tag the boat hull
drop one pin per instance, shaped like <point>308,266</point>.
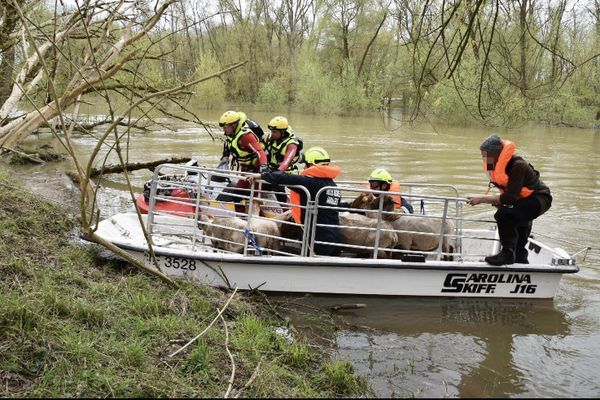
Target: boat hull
<point>364,278</point>
<point>335,275</point>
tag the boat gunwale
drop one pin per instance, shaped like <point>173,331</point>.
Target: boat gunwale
<point>342,262</point>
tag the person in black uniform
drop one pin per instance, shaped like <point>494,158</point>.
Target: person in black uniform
<point>317,175</point>
<point>523,197</point>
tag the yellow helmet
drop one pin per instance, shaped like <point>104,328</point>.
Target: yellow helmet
<point>279,122</point>
<point>380,175</point>
<point>229,117</point>
<point>316,155</point>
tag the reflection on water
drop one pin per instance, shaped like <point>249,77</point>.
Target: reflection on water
<point>443,347</point>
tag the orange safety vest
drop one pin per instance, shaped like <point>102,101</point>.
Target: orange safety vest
<point>316,171</point>
<point>394,187</point>
<point>498,176</point>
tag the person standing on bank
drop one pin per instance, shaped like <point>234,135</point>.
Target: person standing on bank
<point>317,174</point>
<point>523,197</point>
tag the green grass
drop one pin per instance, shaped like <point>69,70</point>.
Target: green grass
<point>73,324</point>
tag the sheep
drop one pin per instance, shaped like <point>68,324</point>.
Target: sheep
<point>367,201</point>
<point>349,222</point>
<point>224,230</point>
<point>350,234</point>
<point>290,230</point>
<point>413,232</point>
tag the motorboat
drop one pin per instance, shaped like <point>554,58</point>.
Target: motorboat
<point>211,243</point>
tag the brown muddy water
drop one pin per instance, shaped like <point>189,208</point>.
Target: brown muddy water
<point>440,347</point>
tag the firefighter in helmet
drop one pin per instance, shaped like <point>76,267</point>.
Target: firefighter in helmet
<point>380,179</point>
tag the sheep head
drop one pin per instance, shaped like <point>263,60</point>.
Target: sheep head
<point>389,206</point>
<point>362,200</point>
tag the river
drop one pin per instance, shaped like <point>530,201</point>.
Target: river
<point>410,347</point>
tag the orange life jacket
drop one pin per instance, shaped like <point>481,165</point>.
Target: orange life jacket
<point>498,176</point>
<point>394,187</point>
<point>316,171</point>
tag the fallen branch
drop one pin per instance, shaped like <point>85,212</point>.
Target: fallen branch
<point>113,169</point>
<point>252,378</point>
<point>29,157</point>
<point>232,377</point>
<point>348,306</point>
<point>209,325</point>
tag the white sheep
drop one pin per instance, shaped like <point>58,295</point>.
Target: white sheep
<point>414,232</point>
<point>289,228</point>
<point>352,235</point>
<point>227,233</point>
<point>350,232</point>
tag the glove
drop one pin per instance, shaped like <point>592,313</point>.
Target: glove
<point>263,169</point>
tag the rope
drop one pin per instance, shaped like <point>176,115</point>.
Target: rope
<point>252,240</point>
<point>578,245</point>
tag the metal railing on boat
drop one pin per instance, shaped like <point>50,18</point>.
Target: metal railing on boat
<point>197,199</point>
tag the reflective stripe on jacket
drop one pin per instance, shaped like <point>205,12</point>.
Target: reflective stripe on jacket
<point>277,150</point>
<point>242,157</point>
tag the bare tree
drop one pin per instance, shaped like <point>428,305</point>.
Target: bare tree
<point>106,45</point>
<point>344,13</point>
<point>109,48</point>
<point>293,16</point>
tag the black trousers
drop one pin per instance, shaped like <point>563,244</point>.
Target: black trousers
<point>515,222</point>
<point>235,193</point>
<point>332,235</point>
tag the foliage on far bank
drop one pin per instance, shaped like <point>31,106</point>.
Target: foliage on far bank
<point>73,324</point>
<point>500,63</point>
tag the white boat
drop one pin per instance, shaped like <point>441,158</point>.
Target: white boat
<point>182,247</point>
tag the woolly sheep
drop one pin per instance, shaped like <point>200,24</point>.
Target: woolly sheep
<point>224,230</point>
<point>413,232</point>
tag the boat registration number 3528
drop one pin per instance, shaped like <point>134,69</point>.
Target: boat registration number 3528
<point>184,264</point>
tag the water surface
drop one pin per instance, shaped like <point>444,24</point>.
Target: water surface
<point>445,347</point>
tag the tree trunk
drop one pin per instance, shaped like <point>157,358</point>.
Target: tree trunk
<point>523,47</point>
<point>9,19</point>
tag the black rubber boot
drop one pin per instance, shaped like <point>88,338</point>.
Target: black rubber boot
<point>507,233</point>
<point>506,256</point>
<point>521,252</point>
<point>521,257</point>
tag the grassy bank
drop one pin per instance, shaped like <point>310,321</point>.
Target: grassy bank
<point>76,325</point>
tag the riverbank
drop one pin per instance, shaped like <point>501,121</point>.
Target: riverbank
<point>75,324</point>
